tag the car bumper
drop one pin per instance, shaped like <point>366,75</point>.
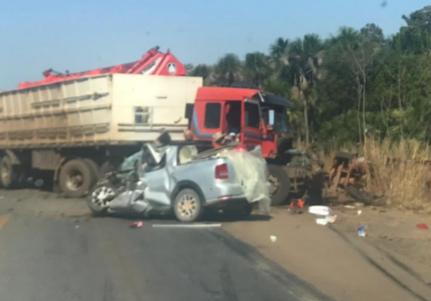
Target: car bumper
<point>228,203</point>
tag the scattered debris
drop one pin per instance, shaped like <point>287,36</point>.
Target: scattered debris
<point>296,206</point>
<point>422,226</point>
<point>273,238</point>
<point>359,212</point>
<point>347,170</point>
<point>349,175</point>
<point>325,214</point>
<point>349,207</point>
<point>362,230</point>
<point>320,210</point>
<point>331,218</point>
<point>137,224</point>
<point>325,220</point>
<point>186,226</point>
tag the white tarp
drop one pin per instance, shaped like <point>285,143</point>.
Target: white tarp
<point>251,172</point>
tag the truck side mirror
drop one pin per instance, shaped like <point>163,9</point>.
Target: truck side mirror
<point>271,117</point>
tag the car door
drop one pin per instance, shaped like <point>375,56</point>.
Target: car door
<point>158,180</point>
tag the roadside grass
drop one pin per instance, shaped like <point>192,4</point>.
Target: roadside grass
<point>398,171</point>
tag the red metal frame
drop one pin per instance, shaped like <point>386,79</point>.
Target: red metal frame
<point>152,62</point>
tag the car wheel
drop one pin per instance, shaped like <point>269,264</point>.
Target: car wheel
<point>279,184</point>
<point>76,178</point>
<point>98,200</point>
<point>188,205</point>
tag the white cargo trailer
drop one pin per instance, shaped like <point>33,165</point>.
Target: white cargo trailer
<point>73,129</point>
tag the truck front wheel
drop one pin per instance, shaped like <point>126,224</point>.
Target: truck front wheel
<point>76,178</point>
<point>279,181</point>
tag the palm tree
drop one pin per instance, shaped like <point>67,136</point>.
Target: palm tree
<point>203,71</point>
<point>278,51</point>
<point>256,68</point>
<point>303,72</point>
<point>228,69</point>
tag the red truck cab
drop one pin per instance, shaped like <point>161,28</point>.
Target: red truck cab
<point>247,114</point>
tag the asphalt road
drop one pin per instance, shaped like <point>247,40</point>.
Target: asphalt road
<point>55,257</point>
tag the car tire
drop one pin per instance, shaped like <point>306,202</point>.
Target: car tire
<point>279,184</point>
<point>76,178</point>
<point>95,204</point>
<point>188,205</point>
<point>9,175</point>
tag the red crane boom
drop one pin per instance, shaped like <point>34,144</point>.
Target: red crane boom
<point>153,62</point>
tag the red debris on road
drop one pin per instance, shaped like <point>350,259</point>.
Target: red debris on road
<point>137,224</point>
<point>422,226</point>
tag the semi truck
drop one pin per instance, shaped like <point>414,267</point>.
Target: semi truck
<point>70,128</point>
<point>73,130</point>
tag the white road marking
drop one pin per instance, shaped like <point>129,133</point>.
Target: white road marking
<point>187,226</point>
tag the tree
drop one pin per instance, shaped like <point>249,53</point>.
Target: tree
<point>203,71</point>
<point>416,36</point>
<point>353,54</point>
<point>228,69</point>
<point>302,73</point>
<point>189,68</point>
<point>350,84</point>
<point>279,52</point>
<point>256,68</point>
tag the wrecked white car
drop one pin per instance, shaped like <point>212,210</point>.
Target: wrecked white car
<point>176,178</point>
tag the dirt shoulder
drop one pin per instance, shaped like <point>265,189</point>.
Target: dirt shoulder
<point>392,263</point>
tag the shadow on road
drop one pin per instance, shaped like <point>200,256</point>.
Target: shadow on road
<point>208,217</point>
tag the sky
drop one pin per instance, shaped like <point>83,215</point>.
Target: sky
<point>84,34</point>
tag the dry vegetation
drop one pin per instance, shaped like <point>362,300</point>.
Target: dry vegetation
<point>401,172</point>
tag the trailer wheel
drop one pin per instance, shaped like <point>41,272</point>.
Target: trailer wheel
<point>76,178</point>
<point>8,173</point>
<point>94,168</point>
<point>279,181</point>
